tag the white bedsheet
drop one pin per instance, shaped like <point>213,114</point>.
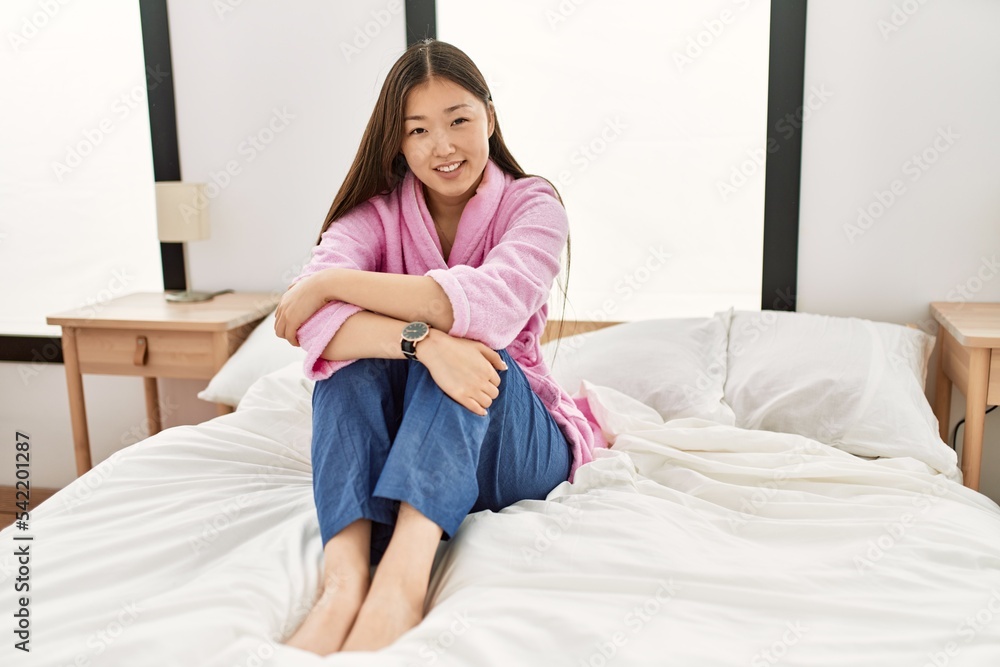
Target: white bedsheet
<point>688,543</point>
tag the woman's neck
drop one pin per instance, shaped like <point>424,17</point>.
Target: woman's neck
<point>447,211</point>
<point>444,212</point>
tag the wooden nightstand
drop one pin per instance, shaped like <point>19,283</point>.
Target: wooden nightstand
<point>143,334</point>
<point>968,348</point>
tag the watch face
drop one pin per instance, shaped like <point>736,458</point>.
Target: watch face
<point>415,331</point>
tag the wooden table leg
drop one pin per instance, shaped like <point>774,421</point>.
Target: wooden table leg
<point>220,353</point>
<point>975,415</point>
<point>942,389</point>
<point>152,405</point>
<point>77,407</point>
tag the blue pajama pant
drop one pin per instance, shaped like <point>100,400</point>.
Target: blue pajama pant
<point>384,432</point>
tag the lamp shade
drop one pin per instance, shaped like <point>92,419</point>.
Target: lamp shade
<point>181,211</point>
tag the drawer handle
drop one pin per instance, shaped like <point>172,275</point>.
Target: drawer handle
<point>141,349</point>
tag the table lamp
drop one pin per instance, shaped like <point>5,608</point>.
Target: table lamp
<point>182,216</point>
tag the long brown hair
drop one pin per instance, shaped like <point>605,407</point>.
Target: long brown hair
<point>379,165</point>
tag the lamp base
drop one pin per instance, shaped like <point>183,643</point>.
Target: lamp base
<point>189,296</point>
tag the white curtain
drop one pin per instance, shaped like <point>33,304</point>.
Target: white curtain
<point>77,207</point>
<point>650,117</point>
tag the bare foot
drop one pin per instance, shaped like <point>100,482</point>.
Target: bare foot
<point>328,622</point>
<point>381,621</point>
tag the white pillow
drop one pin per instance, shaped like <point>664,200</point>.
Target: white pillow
<point>676,366</point>
<point>261,353</point>
<point>851,383</point>
<point>285,388</point>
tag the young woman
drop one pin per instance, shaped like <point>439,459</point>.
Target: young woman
<point>420,313</point>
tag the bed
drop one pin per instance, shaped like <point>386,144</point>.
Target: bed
<point>775,493</point>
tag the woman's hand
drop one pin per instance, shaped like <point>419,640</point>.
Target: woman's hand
<point>464,369</point>
<point>297,305</point>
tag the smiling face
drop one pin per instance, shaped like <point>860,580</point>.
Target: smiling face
<point>446,132</point>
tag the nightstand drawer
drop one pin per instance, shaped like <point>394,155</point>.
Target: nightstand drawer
<point>180,354</point>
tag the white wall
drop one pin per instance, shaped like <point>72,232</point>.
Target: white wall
<point>674,105</point>
<point>890,96</point>
<point>232,70</point>
<point>290,75</point>
<point>893,91</point>
<point>76,181</point>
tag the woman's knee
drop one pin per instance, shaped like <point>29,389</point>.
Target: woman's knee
<point>371,368</point>
<point>367,371</point>
<point>357,383</point>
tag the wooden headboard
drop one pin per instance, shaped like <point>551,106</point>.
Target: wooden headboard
<point>570,328</point>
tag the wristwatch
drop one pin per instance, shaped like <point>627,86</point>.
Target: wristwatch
<point>413,333</point>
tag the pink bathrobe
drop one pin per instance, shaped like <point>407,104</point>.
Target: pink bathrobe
<point>498,276</point>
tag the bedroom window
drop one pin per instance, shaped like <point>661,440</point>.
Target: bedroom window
<point>77,209</point>
<point>650,118</point>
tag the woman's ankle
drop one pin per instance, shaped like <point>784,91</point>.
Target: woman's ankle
<point>346,580</point>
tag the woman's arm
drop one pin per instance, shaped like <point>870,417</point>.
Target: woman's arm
<point>465,370</point>
<point>405,298</point>
<point>492,302</point>
<point>368,335</point>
